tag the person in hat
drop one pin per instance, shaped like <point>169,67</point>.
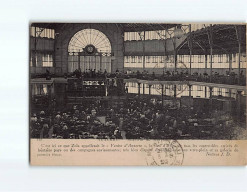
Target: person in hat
<point>34,118</point>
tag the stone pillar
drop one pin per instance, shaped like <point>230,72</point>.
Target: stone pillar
<point>143,87</point>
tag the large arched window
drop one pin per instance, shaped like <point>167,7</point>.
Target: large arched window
<point>89,49</point>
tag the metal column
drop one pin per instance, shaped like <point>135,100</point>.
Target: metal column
<point>210,39</point>
<point>143,60</point>
<point>149,89</point>
<point>239,105</point>
<point>210,98</point>
<point>230,63</point>
<point>175,90</point>
<point>190,46</point>
<point>206,63</point>
<point>139,89</point>
<point>239,37</point>
<point>162,94</point>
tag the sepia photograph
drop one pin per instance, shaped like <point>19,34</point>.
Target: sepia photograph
<point>137,81</point>
<point>123,96</point>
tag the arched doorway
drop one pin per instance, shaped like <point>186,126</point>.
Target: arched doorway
<point>89,49</point>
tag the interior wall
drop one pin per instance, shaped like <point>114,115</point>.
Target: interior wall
<point>64,34</point>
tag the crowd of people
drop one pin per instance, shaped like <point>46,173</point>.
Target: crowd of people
<point>230,78</point>
<point>137,118</point>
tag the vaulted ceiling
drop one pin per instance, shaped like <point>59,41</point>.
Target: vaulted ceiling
<point>224,40</point>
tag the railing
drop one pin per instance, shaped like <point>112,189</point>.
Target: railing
<point>230,79</point>
<point>219,79</point>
